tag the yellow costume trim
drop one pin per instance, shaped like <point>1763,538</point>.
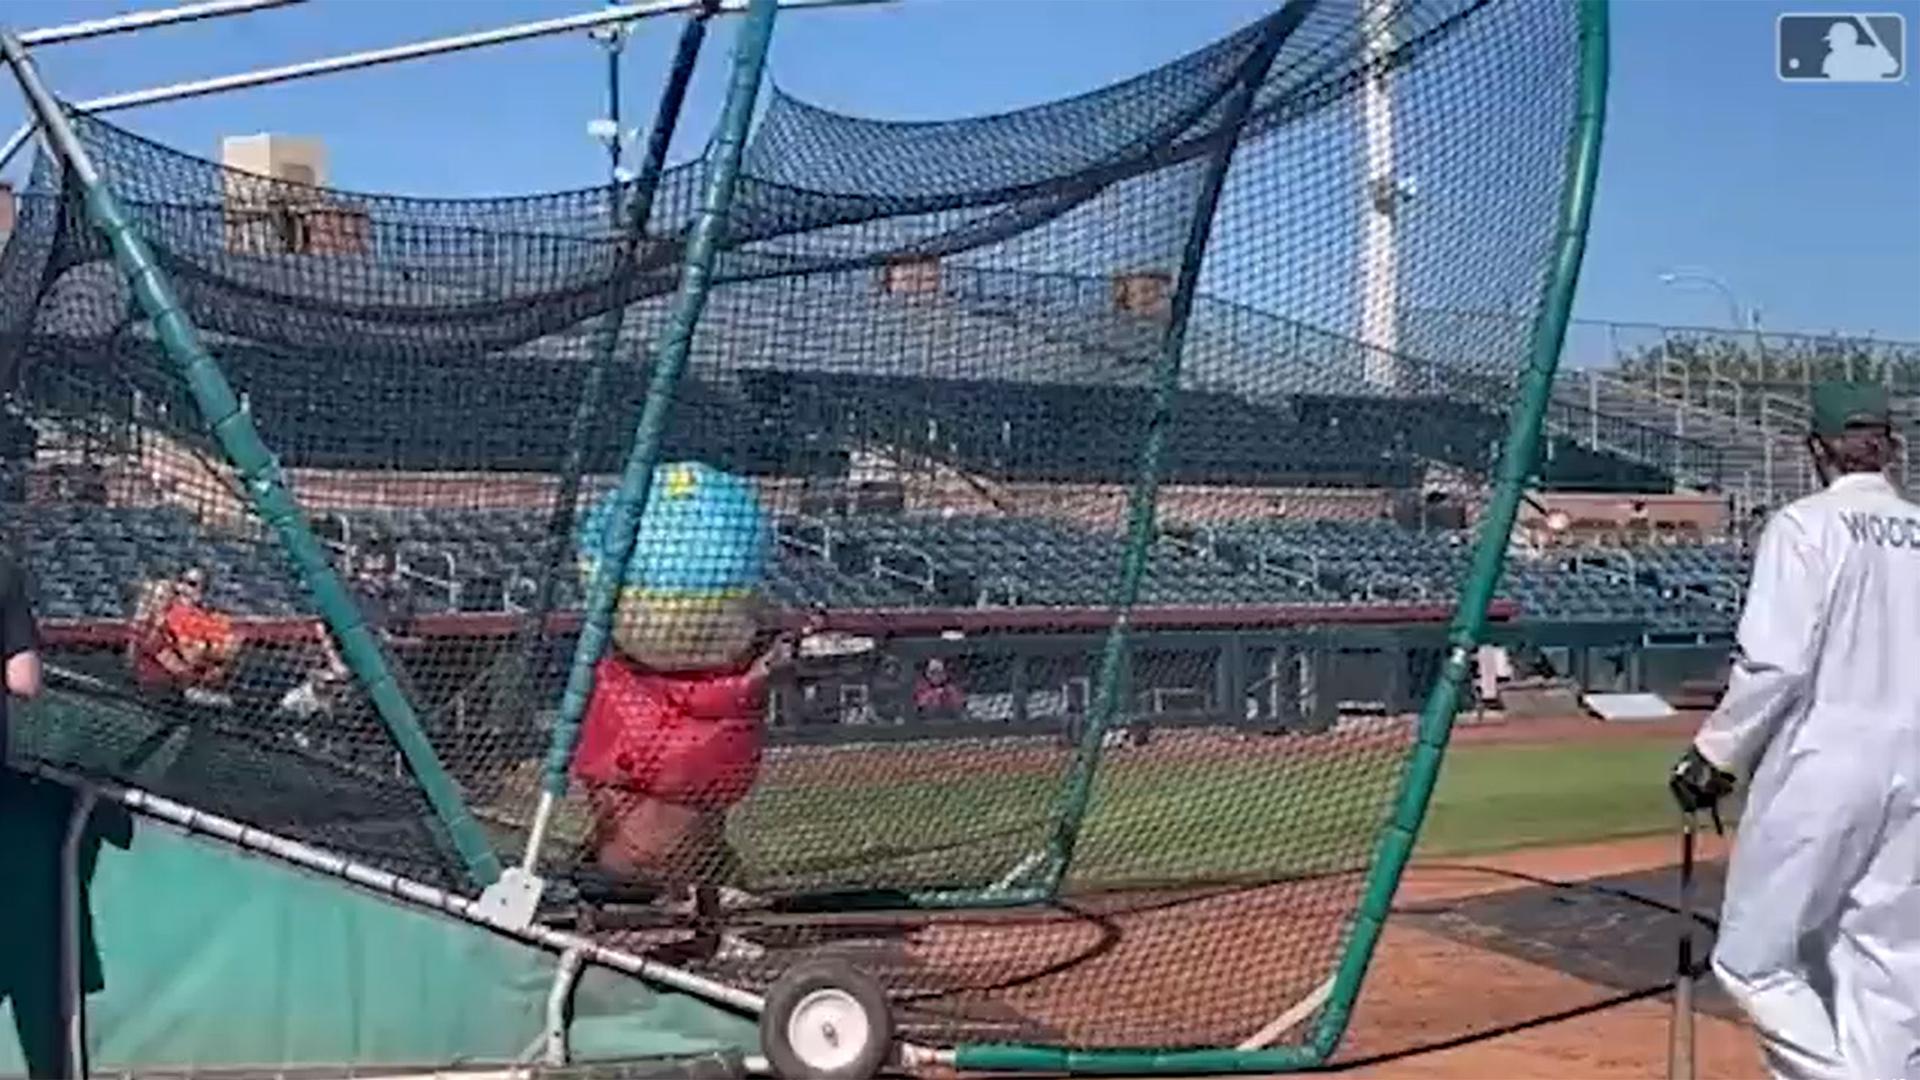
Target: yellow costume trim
<point>681,481</point>
<point>683,599</point>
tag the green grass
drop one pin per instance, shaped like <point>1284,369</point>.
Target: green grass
<point>1180,820</point>
<point>1491,798</point>
<point>1147,819</point>
<point>1151,818</point>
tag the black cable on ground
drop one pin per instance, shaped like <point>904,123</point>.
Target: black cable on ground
<point>1611,1001</point>
<point>1534,879</point>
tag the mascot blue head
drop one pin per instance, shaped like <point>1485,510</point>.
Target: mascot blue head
<point>704,533</point>
<point>690,595</point>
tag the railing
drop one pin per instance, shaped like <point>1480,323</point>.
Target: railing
<point>809,535</point>
<point>1001,592</point>
<point>518,593</point>
<point>1186,541</point>
<point>1266,546</point>
<point>1375,587</point>
<point>885,567</point>
<point>1587,425</point>
<point>420,551</point>
<point>1688,458</point>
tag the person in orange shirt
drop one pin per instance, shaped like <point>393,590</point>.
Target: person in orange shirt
<point>179,644</point>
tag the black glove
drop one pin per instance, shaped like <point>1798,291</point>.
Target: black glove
<point>1698,784</point>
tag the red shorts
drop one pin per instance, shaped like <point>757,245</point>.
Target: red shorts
<point>692,739</point>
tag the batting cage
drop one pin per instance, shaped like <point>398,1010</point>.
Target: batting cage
<point>1009,580</point>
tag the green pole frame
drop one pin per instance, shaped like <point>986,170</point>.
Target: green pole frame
<point>1397,838</point>
<point>636,482</point>
<point>1142,504</point>
<point>606,335</point>
<point>1517,466</point>
<point>260,473</point>
<point>1042,884</point>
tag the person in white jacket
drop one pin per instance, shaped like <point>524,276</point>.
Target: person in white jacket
<point>1820,929</point>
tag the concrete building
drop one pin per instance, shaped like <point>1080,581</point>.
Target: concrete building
<point>276,203</point>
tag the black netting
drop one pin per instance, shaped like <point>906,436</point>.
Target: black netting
<point>931,353</point>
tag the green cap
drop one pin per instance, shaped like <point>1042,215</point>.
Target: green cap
<point>1838,406</point>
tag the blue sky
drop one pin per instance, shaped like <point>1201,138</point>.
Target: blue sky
<point>1805,199</point>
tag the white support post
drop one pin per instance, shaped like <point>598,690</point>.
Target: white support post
<point>1379,254</point>
<point>566,974</point>
<point>142,20</point>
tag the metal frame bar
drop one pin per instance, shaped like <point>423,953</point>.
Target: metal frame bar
<point>73,996</point>
<point>637,212</point>
<point>1143,502</point>
<point>704,242</point>
<point>385,883</point>
<point>1335,998</point>
<point>144,20</point>
<point>220,84</point>
<point>1469,629</point>
<point>89,791</point>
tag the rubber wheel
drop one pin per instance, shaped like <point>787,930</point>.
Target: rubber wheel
<point>826,1020</point>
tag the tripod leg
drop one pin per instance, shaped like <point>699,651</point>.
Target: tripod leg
<point>1680,1034</point>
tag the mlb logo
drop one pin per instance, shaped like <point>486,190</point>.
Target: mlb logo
<point>1842,47</point>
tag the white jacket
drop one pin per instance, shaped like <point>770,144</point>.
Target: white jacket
<point>1820,930</point>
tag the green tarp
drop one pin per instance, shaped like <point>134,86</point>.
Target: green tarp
<point>212,957</point>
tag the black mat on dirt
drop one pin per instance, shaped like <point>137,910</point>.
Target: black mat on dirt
<point>1620,932</point>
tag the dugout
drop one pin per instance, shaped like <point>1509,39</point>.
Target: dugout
<point>1296,677</point>
<point>1275,670</point>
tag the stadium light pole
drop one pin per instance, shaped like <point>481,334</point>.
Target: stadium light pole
<point>1379,242</point>
<point>1751,319</point>
<point>1741,319</point>
<point>612,36</point>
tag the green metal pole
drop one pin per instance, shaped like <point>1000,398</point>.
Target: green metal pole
<point>260,473</point>
<point>606,335</point>
<point>586,415</point>
<point>1142,504</point>
<point>636,482</point>
<point>1468,630</point>
<point>1496,527</point>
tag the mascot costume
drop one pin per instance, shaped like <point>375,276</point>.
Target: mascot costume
<point>672,733</point>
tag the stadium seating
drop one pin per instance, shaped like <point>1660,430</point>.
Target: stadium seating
<point>1037,378</point>
<point>87,561</point>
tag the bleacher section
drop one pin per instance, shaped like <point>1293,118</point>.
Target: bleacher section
<point>83,559</point>
<point>1037,378</point>
<point>89,561</point>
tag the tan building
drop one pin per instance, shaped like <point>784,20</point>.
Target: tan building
<point>282,157</point>
<point>275,202</point>
<point>9,212</point>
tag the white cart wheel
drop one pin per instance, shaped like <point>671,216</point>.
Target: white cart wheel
<point>826,1020</point>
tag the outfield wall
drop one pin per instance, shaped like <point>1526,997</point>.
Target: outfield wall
<point>200,955</point>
